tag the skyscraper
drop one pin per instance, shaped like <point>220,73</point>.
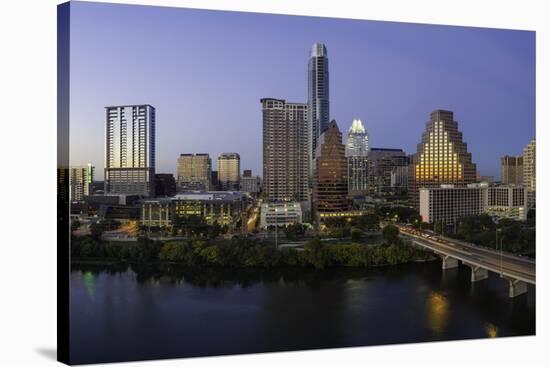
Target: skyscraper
<point>442,157</point>
<point>80,179</point>
<point>318,93</point>
<point>286,159</point>
<point>130,150</point>
<point>194,172</point>
<point>530,173</point>
<point>330,186</point>
<point>229,168</point>
<point>511,170</point>
<point>381,163</point>
<point>357,149</point>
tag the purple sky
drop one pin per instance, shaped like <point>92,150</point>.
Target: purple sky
<point>205,72</point>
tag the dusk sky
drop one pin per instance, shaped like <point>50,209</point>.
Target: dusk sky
<point>206,71</point>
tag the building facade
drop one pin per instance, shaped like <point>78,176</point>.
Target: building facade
<point>222,207</point>
<point>381,164</point>
<point>251,184</point>
<point>165,185</point>
<point>441,158</point>
<point>511,170</point>
<point>130,150</point>
<point>229,171</point>
<point>357,149</point>
<point>286,159</point>
<point>280,214</point>
<point>530,173</point>
<point>80,181</point>
<point>318,94</point>
<point>330,177</point>
<point>447,203</point>
<point>194,172</point>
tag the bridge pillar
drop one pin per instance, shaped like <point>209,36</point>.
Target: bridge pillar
<point>478,273</point>
<point>517,288</point>
<point>448,262</point>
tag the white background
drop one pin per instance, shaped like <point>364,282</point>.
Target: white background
<point>28,166</point>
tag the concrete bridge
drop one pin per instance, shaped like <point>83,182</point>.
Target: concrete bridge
<point>518,271</point>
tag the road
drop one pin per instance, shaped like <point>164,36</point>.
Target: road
<point>506,264</point>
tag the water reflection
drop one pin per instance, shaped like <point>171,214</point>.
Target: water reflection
<point>491,330</point>
<point>438,312</point>
<point>89,284</point>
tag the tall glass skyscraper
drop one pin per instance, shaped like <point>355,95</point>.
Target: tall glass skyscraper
<point>357,149</point>
<point>318,94</point>
<point>130,150</point>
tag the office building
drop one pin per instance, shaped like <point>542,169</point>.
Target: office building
<point>442,157</point>
<point>165,185</point>
<point>381,164</point>
<point>318,94</point>
<point>506,201</point>
<point>214,181</point>
<point>229,171</point>
<point>399,178</point>
<point>280,214</point>
<point>222,207</point>
<point>447,203</point>
<point>530,173</point>
<point>330,178</point>
<point>130,150</point>
<point>194,172</point>
<point>286,159</point>
<point>249,183</point>
<point>357,149</point>
<point>80,181</point>
<point>511,170</point>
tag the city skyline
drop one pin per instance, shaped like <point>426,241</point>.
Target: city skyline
<point>489,93</point>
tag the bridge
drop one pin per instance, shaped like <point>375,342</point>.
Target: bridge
<point>518,271</point>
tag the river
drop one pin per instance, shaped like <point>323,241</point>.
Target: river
<point>121,313</point>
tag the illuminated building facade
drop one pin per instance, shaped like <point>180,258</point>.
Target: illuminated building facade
<point>442,157</point>
<point>511,170</point>
<point>130,150</point>
<point>222,207</point>
<point>330,177</point>
<point>194,172</point>
<point>281,214</point>
<point>286,162</point>
<point>357,149</point>
<point>318,94</point>
<point>229,171</point>
<point>530,173</point>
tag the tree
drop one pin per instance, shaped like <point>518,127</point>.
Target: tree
<point>356,235</point>
<point>75,224</point>
<point>368,222</point>
<point>316,253</point>
<point>390,233</point>
<point>172,251</point>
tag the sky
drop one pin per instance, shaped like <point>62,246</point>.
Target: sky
<point>205,72</point>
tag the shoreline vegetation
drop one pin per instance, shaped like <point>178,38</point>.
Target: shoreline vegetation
<point>241,252</point>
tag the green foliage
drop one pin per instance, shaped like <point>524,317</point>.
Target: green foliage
<point>295,231</point>
<point>368,222</point>
<point>356,234</point>
<point>390,234</point>
<point>316,253</point>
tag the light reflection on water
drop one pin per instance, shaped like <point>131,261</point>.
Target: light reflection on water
<point>438,312</point>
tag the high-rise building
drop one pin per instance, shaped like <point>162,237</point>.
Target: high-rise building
<point>130,150</point>
<point>511,170</point>
<point>530,173</point>
<point>442,157</point>
<point>80,180</point>
<point>165,185</point>
<point>249,183</point>
<point>357,149</point>
<point>214,181</point>
<point>381,163</point>
<point>286,159</point>
<point>194,172</point>
<point>330,186</point>
<point>318,94</point>
<point>229,170</point>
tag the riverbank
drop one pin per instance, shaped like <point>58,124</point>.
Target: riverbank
<point>247,253</point>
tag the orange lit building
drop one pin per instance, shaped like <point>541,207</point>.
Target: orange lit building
<point>442,158</point>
